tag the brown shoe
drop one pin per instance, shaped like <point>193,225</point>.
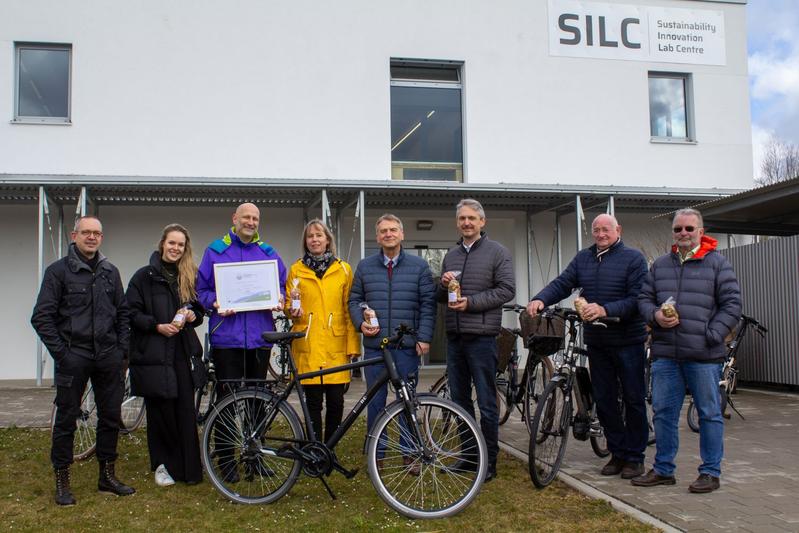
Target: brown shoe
<point>704,483</point>
<point>379,464</point>
<point>412,466</point>
<point>613,467</point>
<point>632,470</point>
<point>651,479</point>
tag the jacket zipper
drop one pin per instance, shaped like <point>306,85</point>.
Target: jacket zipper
<point>463,275</point>
<point>679,290</point>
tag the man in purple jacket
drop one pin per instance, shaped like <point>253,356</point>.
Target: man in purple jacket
<point>238,349</point>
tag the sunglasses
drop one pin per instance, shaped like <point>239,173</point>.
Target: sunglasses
<point>678,229</point>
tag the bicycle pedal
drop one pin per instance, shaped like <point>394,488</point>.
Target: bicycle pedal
<point>349,474</point>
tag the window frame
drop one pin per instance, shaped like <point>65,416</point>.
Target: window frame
<point>19,46</point>
<point>458,66</point>
<point>688,96</point>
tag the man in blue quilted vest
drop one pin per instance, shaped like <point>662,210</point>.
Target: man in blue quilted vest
<point>238,349</point>
<point>610,275</point>
<point>688,345</point>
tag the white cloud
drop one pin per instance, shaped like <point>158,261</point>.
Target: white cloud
<point>773,76</point>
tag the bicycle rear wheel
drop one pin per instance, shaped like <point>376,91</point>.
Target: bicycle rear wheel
<point>132,412</point>
<point>504,395</point>
<point>278,365</point>
<point>438,491</point>
<point>85,440</point>
<point>245,447</point>
<point>550,434</point>
<point>537,381</point>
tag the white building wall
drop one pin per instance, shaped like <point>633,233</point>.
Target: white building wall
<point>301,90</point>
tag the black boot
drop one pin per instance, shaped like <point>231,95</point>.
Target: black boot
<point>108,481</point>
<point>63,493</point>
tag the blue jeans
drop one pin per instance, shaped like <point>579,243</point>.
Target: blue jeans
<point>407,362</point>
<point>669,380</point>
<point>610,367</point>
<point>474,360</point>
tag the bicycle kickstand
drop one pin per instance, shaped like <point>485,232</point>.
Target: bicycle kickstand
<point>730,404</point>
<point>327,487</point>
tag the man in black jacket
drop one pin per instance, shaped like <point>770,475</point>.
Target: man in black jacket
<point>82,318</point>
<point>610,275</point>
<point>688,345</point>
<point>484,269</point>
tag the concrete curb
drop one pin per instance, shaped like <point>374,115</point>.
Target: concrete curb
<point>592,492</point>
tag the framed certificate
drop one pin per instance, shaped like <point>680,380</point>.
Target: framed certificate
<point>247,286</point>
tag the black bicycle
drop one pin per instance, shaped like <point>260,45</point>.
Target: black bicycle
<point>729,372</point>
<point>254,445</point>
<point>556,413</point>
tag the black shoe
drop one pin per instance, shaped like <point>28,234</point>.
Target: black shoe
<point>492,472</point>
<point>108,481</point>
<point>63,492</point>
<point>632,470</point>
<point>462,465</point>
<point>613,468</point>
<point>230,472</point>
<point>704,483</point>
<point>259,469</point>
<point>651,479</point>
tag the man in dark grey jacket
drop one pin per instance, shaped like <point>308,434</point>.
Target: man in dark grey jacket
<point>82,318</point>
<point>484,269</point>
<point>688,347</point>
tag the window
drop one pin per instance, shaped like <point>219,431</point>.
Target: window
<point>670,114</point>
<point>426,121</point>
<point>43,83</point>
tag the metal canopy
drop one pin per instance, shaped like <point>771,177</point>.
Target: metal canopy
<point>769,210</point>
<point>382,194</point>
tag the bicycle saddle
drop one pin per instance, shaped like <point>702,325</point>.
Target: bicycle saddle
<point>277,336</point>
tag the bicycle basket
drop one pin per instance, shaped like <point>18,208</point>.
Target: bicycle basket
<point>541,328</point>
<point>506,341</point>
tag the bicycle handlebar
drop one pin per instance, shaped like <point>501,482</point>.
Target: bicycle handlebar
<point>571,314</point>
<point>760,328</point>
<point>399,332</point>
<point>514,307</point>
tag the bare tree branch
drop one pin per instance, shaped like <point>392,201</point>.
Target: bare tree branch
<point>780,162</point>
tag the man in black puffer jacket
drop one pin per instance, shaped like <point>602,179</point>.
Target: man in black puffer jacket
<point>485,273</point>
<point>611,275</point>
<point>82,318</point>
<point>689,349</point>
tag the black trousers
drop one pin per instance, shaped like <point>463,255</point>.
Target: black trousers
<point>335,407</point>
<point>72,374</point>
<point>172,429</point>
<point>234,364</point>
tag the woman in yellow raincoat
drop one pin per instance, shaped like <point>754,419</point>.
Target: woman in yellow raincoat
<point>322,281</point>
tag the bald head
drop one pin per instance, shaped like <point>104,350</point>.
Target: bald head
<point>246,220</point>
<point>606,231</point>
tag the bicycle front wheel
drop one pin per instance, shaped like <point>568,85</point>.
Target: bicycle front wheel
<point>550,434</point>
<point>537,380</point>
<point>426,484</point>
<point>245,447</point>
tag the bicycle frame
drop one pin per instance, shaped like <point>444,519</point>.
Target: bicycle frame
<point>389,374</point>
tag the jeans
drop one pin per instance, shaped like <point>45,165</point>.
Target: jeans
<point>407,362</point>
<point>473,359</point>
<point>669,380</point>
<point>610,367</point>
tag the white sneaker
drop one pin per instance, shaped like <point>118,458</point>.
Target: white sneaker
<point>162,477</point>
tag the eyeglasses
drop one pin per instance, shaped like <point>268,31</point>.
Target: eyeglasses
<point>88,232</point>
<point>678,229</point>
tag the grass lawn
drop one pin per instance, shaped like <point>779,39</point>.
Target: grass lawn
<point>510,503</point>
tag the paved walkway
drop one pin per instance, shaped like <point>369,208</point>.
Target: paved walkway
<point>760,473</point>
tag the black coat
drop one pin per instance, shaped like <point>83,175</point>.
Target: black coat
<point>153,301</point>
<point>708,302</point>
<point>613,282</point>
<point>487,281</point>
<point>82,311</point>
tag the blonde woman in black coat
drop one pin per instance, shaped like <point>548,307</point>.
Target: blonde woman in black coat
<point>163,348</point>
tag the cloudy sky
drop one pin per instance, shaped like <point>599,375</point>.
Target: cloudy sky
<point>773,71</point>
